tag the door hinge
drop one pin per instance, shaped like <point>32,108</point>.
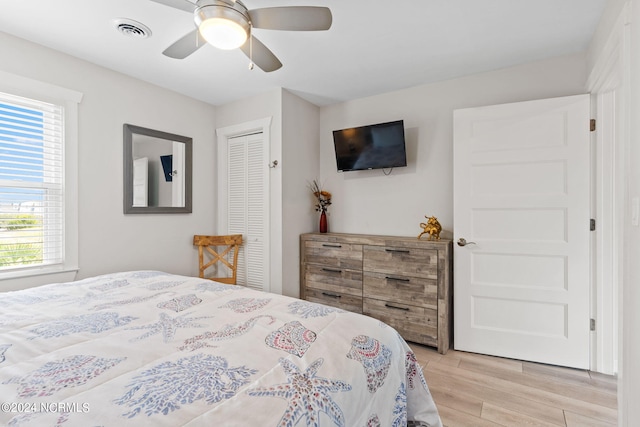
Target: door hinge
<point>592,125</point>
<point>592,224</point>
<point>592,324</point>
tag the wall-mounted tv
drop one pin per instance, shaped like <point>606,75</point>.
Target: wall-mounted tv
<point>167,167</point>
<point>378,146</point>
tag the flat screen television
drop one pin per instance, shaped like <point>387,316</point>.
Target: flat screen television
<point>167,167</point>
<point>378,146</point>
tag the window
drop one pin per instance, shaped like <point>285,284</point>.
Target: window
<point>38,177</point>
<point>31,177</point>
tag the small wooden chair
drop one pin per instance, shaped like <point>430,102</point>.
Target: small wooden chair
<point>211,244</point>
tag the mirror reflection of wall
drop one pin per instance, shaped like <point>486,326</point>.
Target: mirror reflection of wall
<point>163,187</point>
<point>160,190</point>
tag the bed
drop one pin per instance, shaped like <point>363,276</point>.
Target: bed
<point>150,348</point>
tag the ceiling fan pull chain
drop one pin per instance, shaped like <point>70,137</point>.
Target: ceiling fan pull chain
<point>250,47</point>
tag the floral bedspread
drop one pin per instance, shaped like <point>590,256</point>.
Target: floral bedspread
<point>150,348</point>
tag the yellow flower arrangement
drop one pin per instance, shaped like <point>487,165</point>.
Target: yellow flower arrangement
<point>323,197</point>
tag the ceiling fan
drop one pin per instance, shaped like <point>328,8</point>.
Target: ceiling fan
<point>228,24</point>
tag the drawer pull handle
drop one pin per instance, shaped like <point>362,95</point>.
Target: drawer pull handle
<point>327,294</point>
<point>400,251</point>
<point>332,270</point>
<point>397,308</point>
<point>397,279</point>
<point>327,245</point>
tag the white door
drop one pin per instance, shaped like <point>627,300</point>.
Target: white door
<point>247,207</point>
<point>141,182</point>
<point>522,196</point>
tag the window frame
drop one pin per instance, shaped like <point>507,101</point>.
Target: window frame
<point>69,99</point>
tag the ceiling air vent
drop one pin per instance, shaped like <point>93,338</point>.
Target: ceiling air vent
<point>132,28</point>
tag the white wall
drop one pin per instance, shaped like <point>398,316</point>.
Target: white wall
<point>370,202</point>
<point>603,30</point>
<point>300,154</point>
<point>268,104</point>
<point>109,240</point>
<point>602,50</point>
<point>294,144</point>
<point>631,278</point>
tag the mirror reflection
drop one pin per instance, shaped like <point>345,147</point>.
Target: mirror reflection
<point>157,171</point>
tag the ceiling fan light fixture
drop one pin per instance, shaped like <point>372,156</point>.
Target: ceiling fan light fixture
<point>222,26</point>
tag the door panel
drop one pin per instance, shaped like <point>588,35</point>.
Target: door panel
<point>521,195</point>
<point>247,205</point>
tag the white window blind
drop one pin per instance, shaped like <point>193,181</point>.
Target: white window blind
<point>31,183</point>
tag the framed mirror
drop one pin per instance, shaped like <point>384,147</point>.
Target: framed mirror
<point>157,171</point>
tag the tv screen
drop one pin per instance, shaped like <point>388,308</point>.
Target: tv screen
<point>378,146</point>
<point>167,167</point>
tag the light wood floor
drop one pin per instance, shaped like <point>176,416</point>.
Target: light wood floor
<point>476,390</point>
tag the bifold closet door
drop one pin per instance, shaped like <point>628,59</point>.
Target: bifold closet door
<point>247,207</point>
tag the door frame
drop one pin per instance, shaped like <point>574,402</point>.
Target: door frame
<point>222,136</point>
<point>178,180</point>
<point>609,105</point>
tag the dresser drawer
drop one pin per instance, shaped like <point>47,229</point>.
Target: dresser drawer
<point>416,291</point>
<point>335,299</point>
<point>415,262</point>
<point>415,324</point>
<point>333,254</point>
<point>333,279</point>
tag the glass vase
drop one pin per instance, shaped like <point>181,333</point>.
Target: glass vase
<point>323,222</point>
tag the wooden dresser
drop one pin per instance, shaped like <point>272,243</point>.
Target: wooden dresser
<point>403,281</point>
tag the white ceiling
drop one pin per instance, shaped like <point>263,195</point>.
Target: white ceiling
<point>374,46</point>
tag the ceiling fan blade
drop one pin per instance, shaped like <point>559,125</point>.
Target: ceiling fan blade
<point>185,5</point>
<point>292,18</point>
<point>262,56</point>
<point>185,46</point>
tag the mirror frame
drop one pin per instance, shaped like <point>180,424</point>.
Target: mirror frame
<point>129,132</point>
